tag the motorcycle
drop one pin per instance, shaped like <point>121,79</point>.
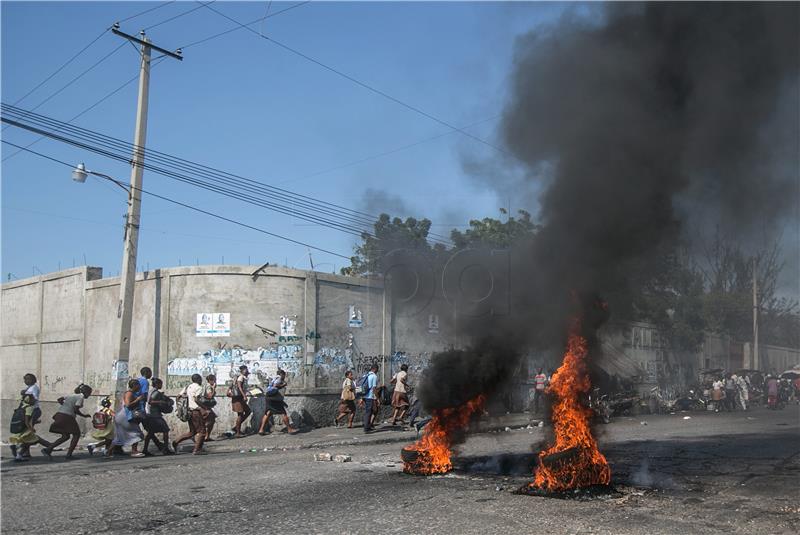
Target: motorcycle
<point>600,405</point>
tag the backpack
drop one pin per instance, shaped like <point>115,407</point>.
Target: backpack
<point>18,420</point>
<point>100,420</point>
<point>362,386</point>
<point>182,407</point>
<point>233,390</point>
<point>166,409</point>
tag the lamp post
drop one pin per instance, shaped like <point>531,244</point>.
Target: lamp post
<point>127,277</point>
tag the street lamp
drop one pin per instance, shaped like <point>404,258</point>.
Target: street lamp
<point>127,277</point>
<point>80,173</point>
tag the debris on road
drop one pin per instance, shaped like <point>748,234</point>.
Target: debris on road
<point>322,456</point>
<point>342,458</point>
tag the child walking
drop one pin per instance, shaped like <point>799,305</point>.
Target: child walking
<point>65,423</point>
<point>27,437</point>
<point>103,423</point>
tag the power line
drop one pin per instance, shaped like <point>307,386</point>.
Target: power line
<point>91,107</point>
<point>91,140</point>
<point>191,207</point>
<point>238,26</point>
<point>158,60</point>
<point>76,78</point>
<point>385,153</point>
<point>61,68</point>
<point>179,15</point>
<point>227,184</point>
<point>84,49</point>
<point>148,10</point>
<point>120,151</point>
<point>359,82</point>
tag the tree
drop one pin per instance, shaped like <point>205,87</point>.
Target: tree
<point>412,234</point>
<point>728,301</point>
<point>390,234</point>
<point>495,233</point>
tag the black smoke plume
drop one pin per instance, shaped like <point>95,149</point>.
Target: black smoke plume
<point>638,124</point>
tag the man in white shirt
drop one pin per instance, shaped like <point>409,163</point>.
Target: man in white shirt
<point>400,395</point>
<point>197,416</point>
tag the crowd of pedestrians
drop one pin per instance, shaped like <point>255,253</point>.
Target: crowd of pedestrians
<point>140,419</point>
<point>730,392</point>
<point>369,394</point>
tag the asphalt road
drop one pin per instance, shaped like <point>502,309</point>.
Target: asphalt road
<point>712,473</point>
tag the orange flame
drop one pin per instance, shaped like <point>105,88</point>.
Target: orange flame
<point>580,464</point>
<point>434,447</point>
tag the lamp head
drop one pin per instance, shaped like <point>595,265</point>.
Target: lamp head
<point>79,174</point>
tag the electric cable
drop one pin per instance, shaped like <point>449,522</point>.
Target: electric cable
<point>191,207</point>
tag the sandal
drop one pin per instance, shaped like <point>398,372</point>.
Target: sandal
<point>138,454</point>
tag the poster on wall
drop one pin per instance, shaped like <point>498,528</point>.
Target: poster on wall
<point>354,317</point>
<point>288,326</point>
<point>213,324</point>
<point>433,323</point>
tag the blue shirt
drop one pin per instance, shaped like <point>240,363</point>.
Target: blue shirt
<point>372,382</point>
<point>144,386</point>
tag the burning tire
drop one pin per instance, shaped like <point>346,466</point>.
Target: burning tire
<point>409,456</point>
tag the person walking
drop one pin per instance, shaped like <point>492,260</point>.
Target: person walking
<point>144,387</point>
<point>539,385</point>
<point>717,394</point>
<point>741,390</point>
<point>400,402</point>
<point>32,388</point>
<point>276,405</point>
<point>772,392</point>
<point>370,397</point>
<point>238,394</point>
<point>155,422</point>
<point>103,423</point>
<point>22,441</point>
<point>347,400</point>
<point>65,423</point>
<point>730,393</point>
<point>127,420</point>
<point>197,419</point>
<point>209,401</point>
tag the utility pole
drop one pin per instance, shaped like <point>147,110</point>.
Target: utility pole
<point>128,274</point>
<point>755,316</point>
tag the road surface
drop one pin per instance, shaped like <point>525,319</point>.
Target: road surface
<point>710,473</point>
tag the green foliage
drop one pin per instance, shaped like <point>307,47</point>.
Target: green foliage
<point>390,234</point>
<point>493,232</point>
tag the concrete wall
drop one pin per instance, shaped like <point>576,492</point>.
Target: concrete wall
<point>60,327</point>
<point>42,331</point>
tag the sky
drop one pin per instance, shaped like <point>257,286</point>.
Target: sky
<point>244,105</point>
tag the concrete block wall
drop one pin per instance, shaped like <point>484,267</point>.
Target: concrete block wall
<point>60,327</point>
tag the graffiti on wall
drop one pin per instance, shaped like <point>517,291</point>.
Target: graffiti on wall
<point>330,364</point>
<point>224,363</point>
